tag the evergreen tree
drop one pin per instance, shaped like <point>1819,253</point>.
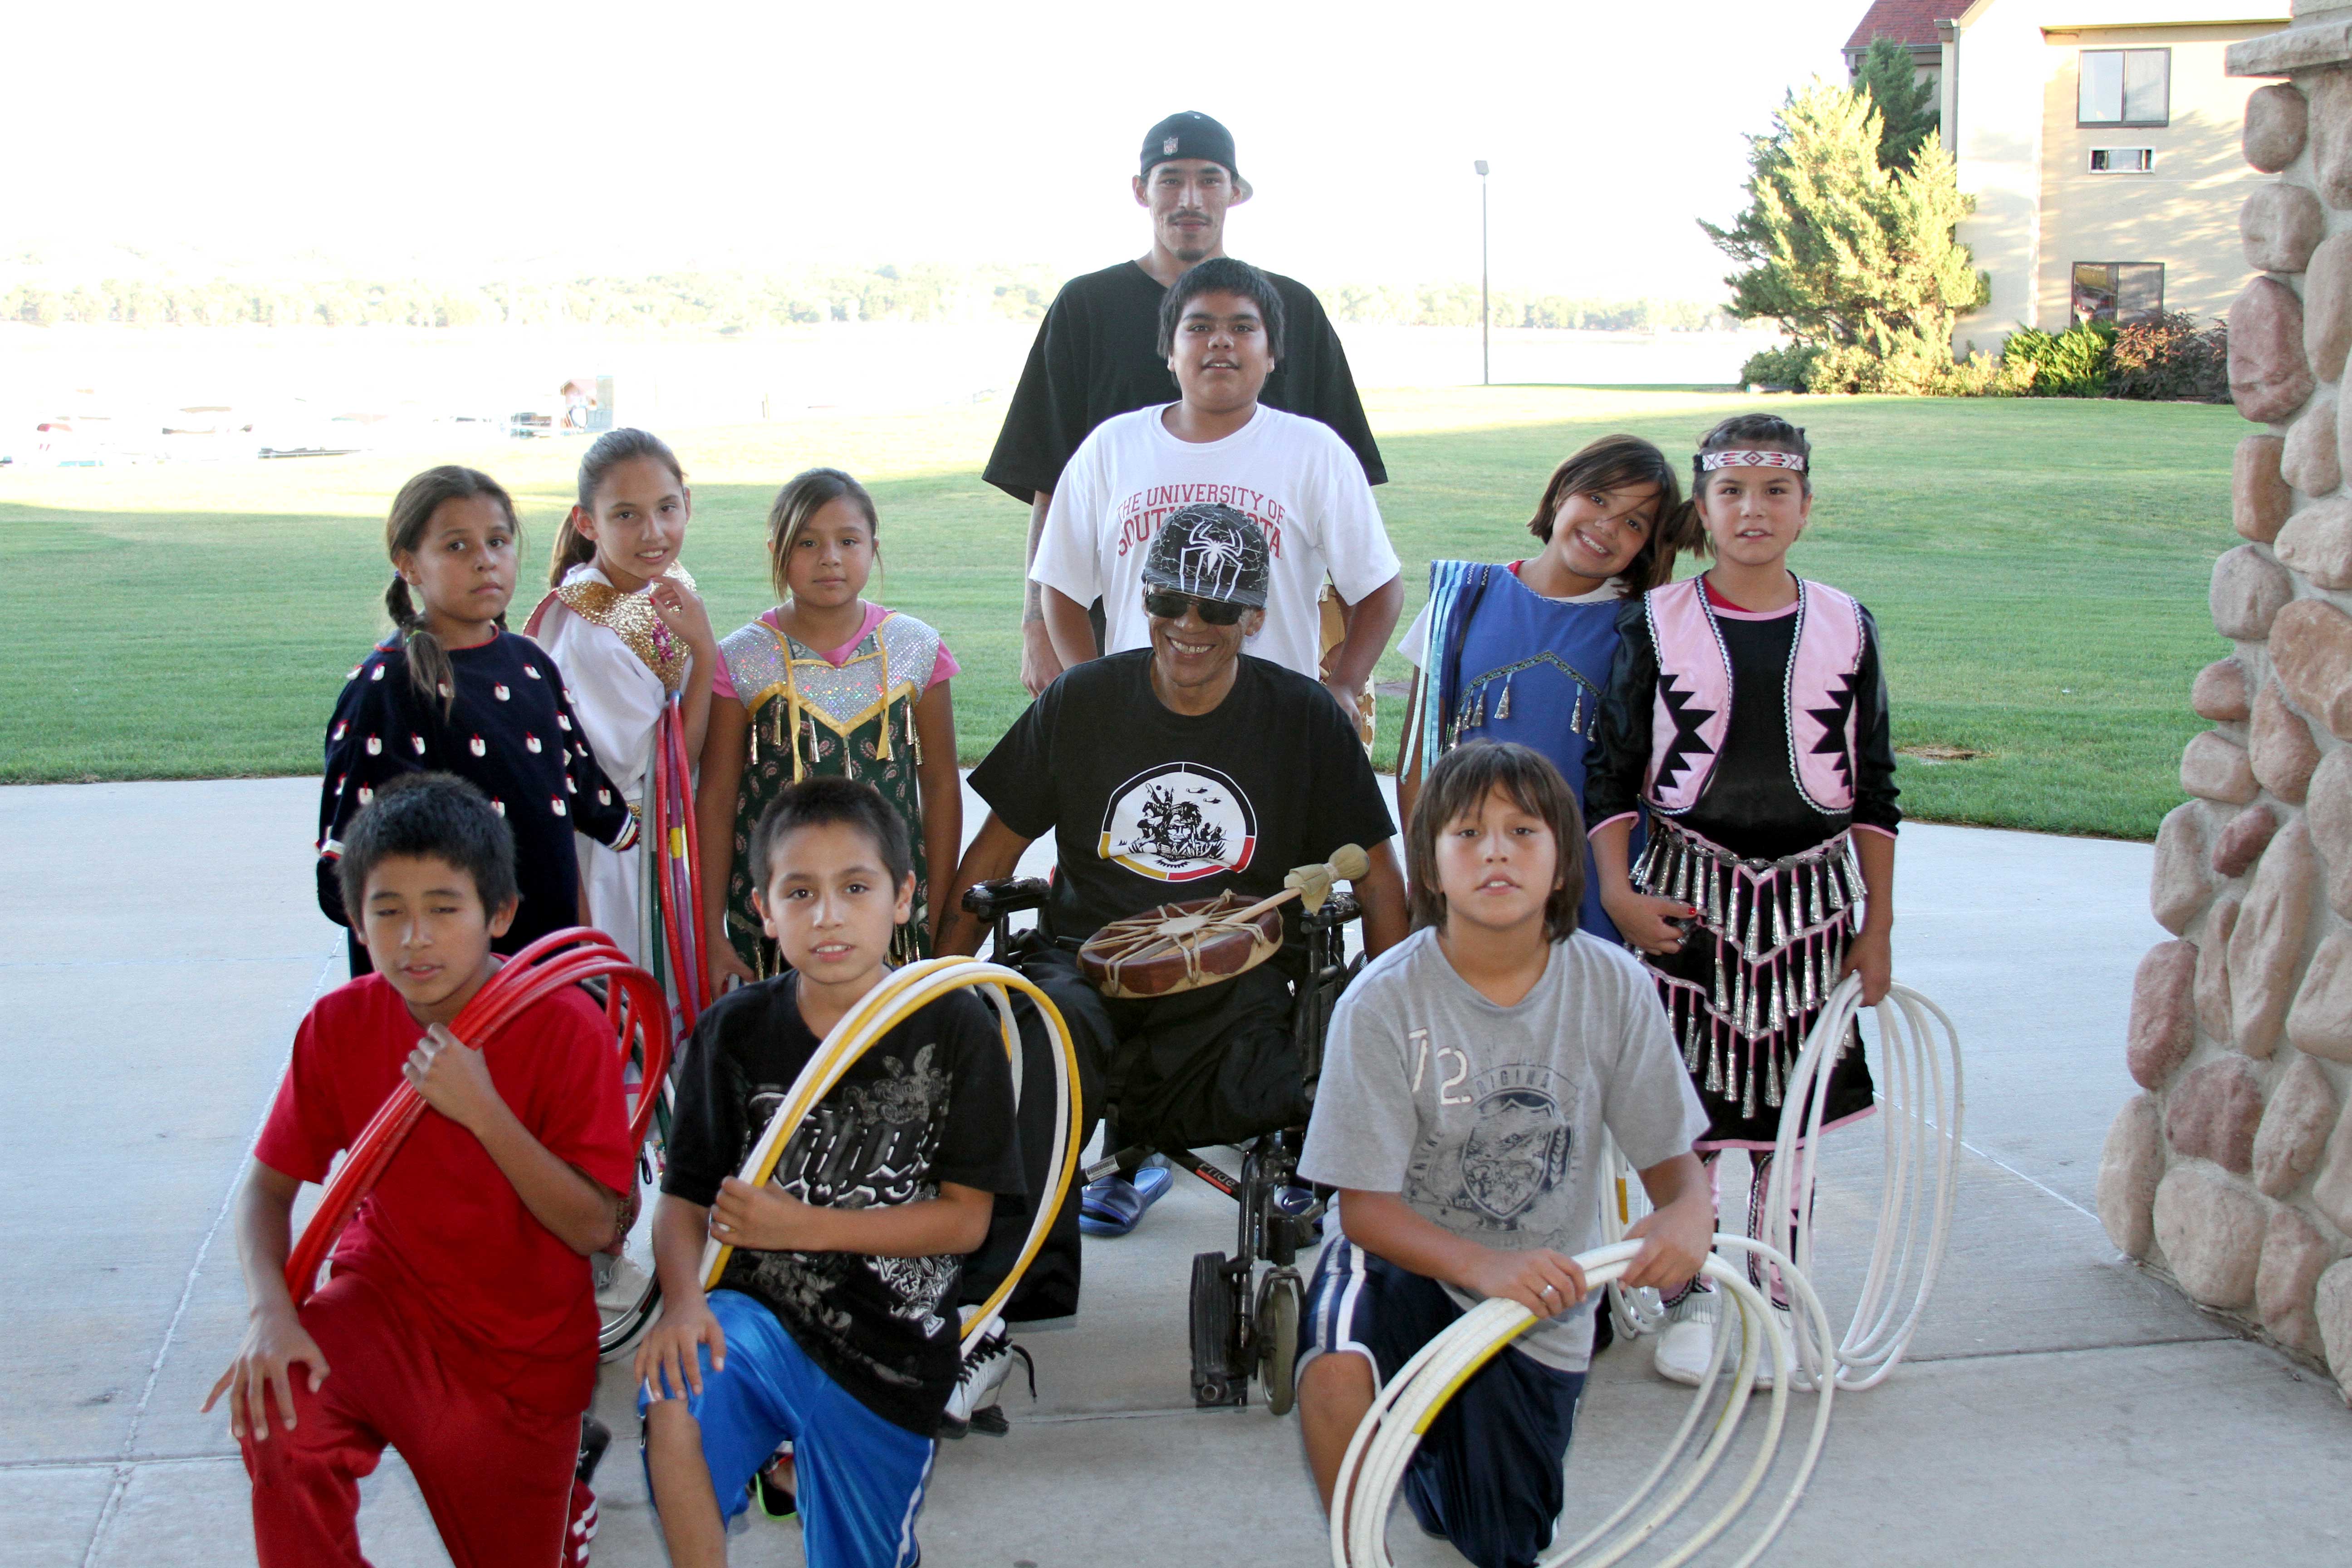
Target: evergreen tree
<point>1848,255</point>
<point>1907,110</point>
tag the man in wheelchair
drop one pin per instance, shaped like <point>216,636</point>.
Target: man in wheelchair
<point>1166,774</point>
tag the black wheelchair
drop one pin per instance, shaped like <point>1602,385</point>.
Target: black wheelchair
<point>1244,1324</point>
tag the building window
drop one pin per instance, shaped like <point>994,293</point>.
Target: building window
<point>2125,87</point>
<point>2122,159</point>
<point>2118,292</point>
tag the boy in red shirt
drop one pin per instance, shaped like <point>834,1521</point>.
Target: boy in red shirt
<point>459,1325</point>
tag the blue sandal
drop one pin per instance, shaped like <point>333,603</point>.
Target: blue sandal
<point>1114,1206</point>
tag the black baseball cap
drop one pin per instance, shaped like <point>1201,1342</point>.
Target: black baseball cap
<point>1191,134</point>
<point>1209,551</point>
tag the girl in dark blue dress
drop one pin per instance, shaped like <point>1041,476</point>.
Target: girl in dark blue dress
<point>452,690</point>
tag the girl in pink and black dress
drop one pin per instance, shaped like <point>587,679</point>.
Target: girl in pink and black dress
<point>1747,717</point>
<point>452,690</point>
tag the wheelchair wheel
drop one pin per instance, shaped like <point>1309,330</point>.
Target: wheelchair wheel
<point>1278,1306</point>
<point>1217,1376</point>
<point>628,1296</point>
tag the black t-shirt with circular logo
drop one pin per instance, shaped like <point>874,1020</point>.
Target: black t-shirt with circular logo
<point>1150,806</point>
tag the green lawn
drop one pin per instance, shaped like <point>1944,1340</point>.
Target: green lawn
<point>2038,568</point>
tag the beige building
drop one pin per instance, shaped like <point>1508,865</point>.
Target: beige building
<point>2100,139</point>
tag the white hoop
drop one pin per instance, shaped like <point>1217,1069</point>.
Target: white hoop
<point>1385,1442</point>
<point>1917,1111</point>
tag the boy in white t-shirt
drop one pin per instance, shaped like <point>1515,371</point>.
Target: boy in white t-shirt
<point>1471,1071</point>
<point>1220,328</point>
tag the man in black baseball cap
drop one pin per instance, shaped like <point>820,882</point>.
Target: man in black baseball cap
<point>1096,353</point>
<point>1207,551</point>
<point>1181,770</point>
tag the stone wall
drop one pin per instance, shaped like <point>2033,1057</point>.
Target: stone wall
<point>2233,1169</point>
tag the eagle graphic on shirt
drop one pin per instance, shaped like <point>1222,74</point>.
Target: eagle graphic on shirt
<point>1178,822</point>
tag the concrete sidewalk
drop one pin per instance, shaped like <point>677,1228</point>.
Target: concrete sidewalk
<point>2058,1405</point>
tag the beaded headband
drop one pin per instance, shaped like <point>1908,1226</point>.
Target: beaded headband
<point>1710,461</point>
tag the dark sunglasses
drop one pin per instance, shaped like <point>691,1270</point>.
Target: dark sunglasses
<point>1171,606</point>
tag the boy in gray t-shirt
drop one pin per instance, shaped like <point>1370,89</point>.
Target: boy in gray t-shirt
<point>1471,1071</point>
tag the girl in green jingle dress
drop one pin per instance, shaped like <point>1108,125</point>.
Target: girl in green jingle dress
<point>826,683</point>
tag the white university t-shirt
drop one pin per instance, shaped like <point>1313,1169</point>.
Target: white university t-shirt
<point>1291,476</point>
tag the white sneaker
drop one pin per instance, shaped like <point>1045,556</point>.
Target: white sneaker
<point>1687,1342</point>
<point>973,1403</point>
<point>1786,1321</point>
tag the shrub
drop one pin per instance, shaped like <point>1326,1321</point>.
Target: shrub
<point>1906,365</point>
<point>1789,366</point>
<point>2166,359</point>
<point>2075,363</point>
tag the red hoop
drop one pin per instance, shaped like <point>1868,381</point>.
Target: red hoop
<point>634,1003</point>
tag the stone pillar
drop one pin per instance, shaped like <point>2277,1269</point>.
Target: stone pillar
<point>2233,1173</point>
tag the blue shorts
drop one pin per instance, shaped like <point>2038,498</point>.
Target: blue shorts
<point>1488,1473</point>
<point>859,1480</point>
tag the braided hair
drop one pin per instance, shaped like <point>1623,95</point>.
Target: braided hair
<point>412,511</point>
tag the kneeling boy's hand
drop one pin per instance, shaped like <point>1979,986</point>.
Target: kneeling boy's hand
<point>452,1078</point>
<point>668,1365</point>
<point>1675,1241</point>
<point>273,1345</point>
<point>765,1218</point>
<point>1545,1283</point>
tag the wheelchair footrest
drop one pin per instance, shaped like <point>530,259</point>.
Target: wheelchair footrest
<point>1219,1376</point>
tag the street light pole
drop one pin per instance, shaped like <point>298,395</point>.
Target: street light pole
<point>1486,352</point>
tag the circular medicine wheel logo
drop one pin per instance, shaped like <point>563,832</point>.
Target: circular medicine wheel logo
<point>1178,823</point>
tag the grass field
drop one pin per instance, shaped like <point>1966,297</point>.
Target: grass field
<point>2038,568</point>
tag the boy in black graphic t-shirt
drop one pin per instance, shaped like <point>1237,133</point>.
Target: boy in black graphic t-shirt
<point>835,1324</point>
<point>1171,774</point>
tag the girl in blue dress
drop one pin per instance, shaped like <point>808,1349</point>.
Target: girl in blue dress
<point>1522,651</point>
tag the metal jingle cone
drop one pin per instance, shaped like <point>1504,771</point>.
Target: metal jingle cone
<point>1748,1085</point>
<point>1789,894</point>
<point>1646,867</point>
<point>1503,707</point>
<point>1772,1083</point>
<point>1779,926</point>
<point>1690,1041</point>
<point>1722,997</point>
<point>1780,993</point>
<point>1809,971</point>
<point>1706,889</point>
<point>1714,1062</point>
<point>1810,887</point>
<point>1686,872</point>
